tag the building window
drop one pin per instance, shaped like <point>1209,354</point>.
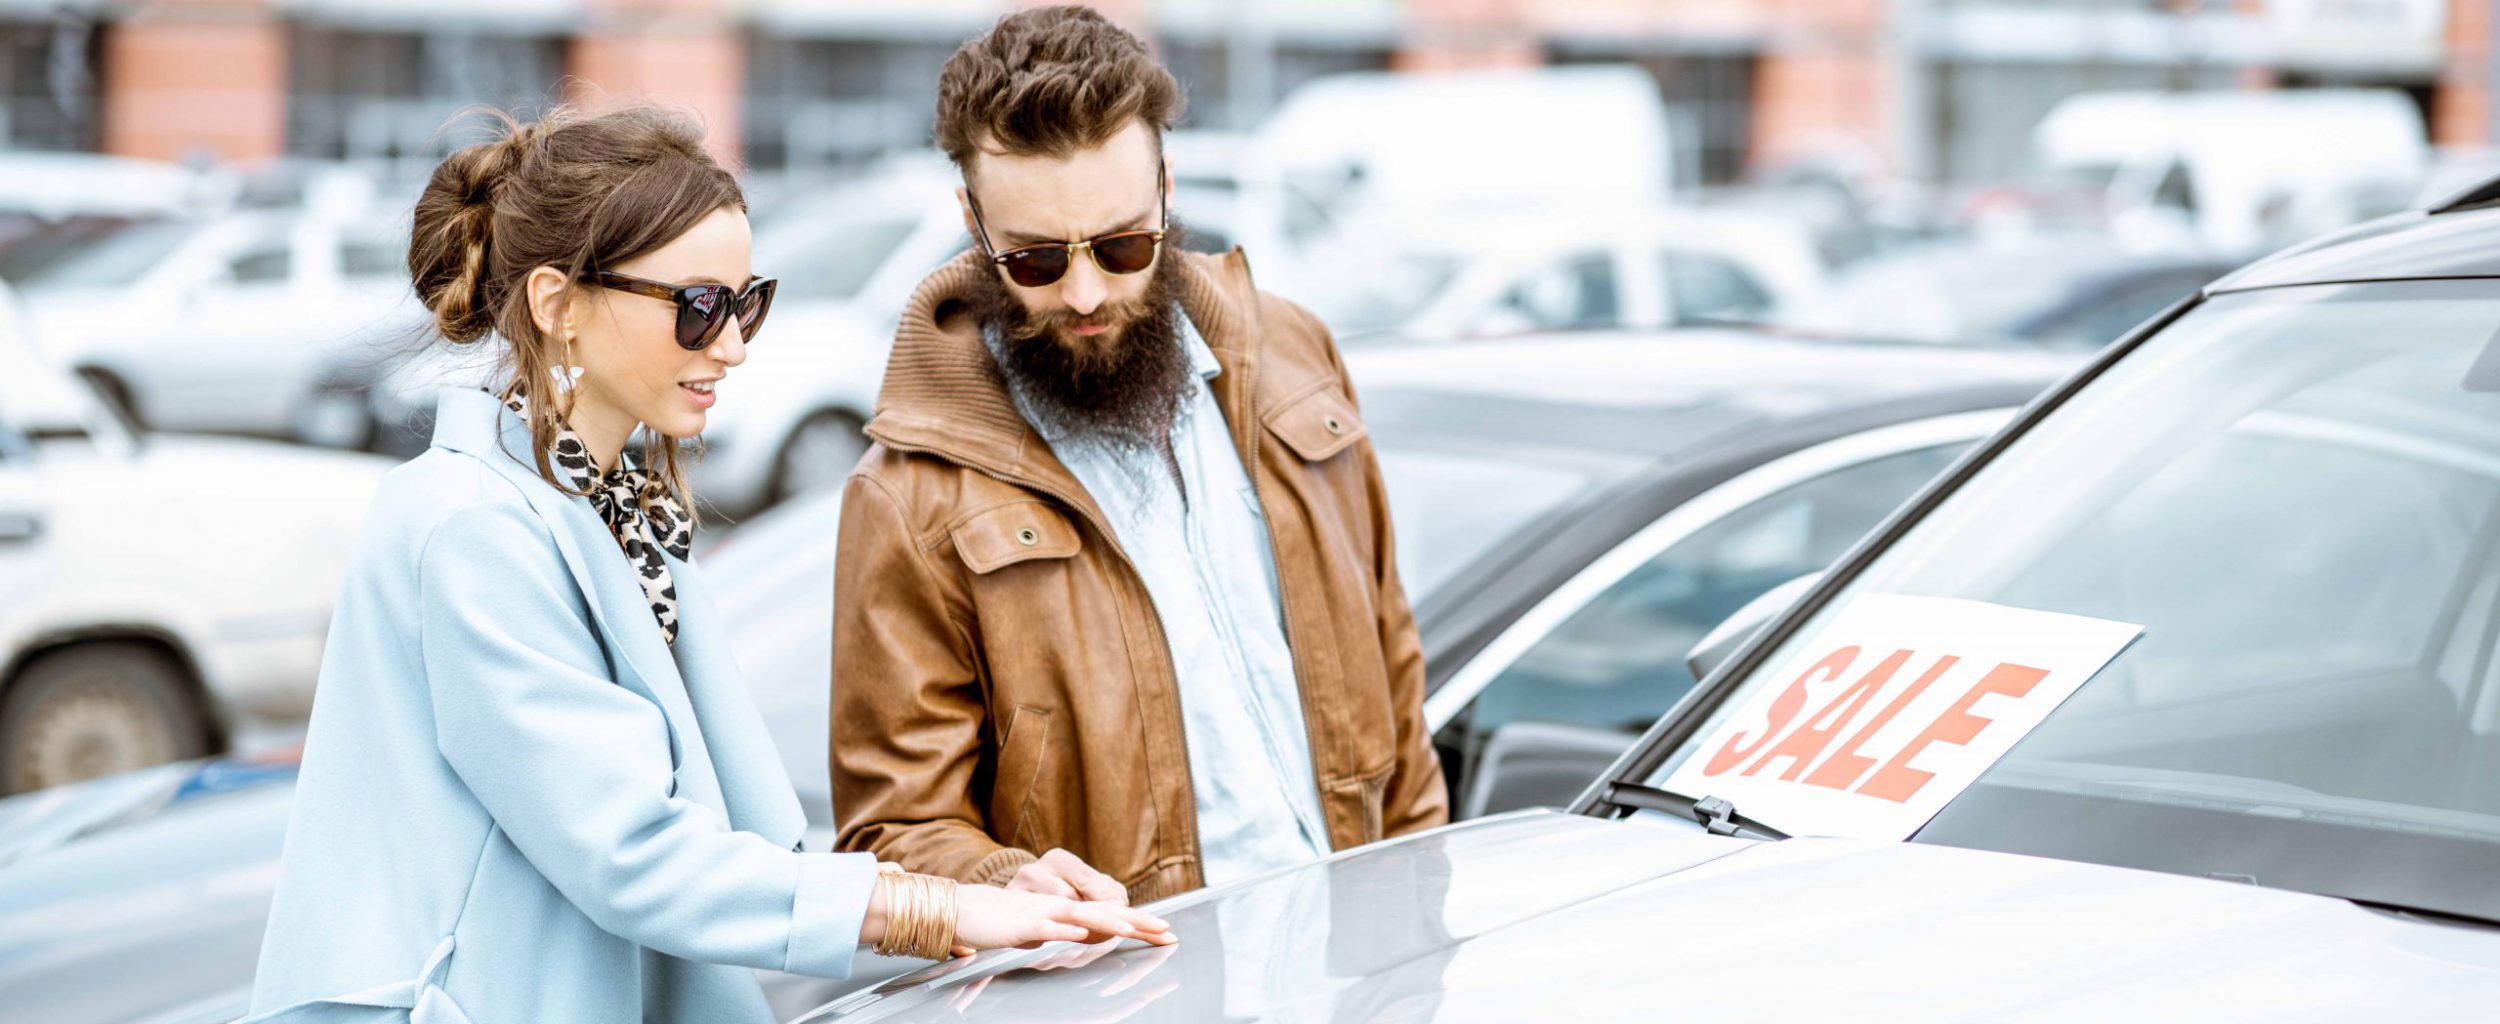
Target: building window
<point>1709,99</point>
<point>812,104</point>
<point>382,98</point>
<point>49,66</point>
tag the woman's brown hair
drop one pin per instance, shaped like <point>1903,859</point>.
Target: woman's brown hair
<point>571,191</point>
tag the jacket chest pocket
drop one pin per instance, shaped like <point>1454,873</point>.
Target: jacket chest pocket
<point>1012,534</point>
<point>1318,424</point>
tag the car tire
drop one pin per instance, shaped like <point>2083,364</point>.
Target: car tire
<point>96,710</point>
<point>819,453</point>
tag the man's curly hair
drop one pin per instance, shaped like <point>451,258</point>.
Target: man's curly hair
<point>1050,81</point>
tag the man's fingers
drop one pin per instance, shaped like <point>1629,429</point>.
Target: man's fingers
<point>1037,878</point>
<point>1101,888</point>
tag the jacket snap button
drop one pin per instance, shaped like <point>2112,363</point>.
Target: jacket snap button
<point>1027,537</point>
<point>1334,426</point>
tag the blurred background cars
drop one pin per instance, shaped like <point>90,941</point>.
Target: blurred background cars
<point>1444,277</point>
<point>162,588</point>
<point>2060,292</point>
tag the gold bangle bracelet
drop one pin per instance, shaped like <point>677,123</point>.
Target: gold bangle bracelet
<point>919,917</point>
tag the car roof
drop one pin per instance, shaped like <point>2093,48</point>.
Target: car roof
<point>1664,395</point>
<point>2458,240</point>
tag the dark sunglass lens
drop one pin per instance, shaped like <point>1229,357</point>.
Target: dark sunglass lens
<point>1125,254</point>
<point>752,306</point>
<point>1034,268</point>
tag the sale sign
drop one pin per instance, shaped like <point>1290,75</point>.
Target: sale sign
<point>1892,710</point>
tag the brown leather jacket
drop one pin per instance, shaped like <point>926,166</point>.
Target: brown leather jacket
<point>1001,682</point>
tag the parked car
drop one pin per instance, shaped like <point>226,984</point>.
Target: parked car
<point>222,323</point>
<point>2271,798</point>
<point>161,588</point>
<point>1717,462</point>
<point>2239,171</point>
<point>1458,277</point>
<point>2056,292</point>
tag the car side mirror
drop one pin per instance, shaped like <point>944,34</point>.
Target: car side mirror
<point>1732,632</point>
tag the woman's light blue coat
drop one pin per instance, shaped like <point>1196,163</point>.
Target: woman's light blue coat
<point>517,803</point>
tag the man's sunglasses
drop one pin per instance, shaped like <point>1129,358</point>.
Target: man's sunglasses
<point>1043,263</point>
<point>702,309</point>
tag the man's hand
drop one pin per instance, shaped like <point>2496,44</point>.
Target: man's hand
<point>1060,873</point>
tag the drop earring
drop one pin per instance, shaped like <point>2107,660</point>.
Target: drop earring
<point>568,376</point>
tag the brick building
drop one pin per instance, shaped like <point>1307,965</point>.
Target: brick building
<point>1940,89</point>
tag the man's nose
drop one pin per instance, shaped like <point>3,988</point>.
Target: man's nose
<point>1083,289</point>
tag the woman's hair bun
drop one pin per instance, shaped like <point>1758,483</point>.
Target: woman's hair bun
<point>452,240</point>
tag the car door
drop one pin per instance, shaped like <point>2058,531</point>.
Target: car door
<point>239,325</point>
<point>25,521</point>
<point>1548,705</point>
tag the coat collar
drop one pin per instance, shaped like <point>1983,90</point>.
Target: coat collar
<point>711,719</point>
<point>943,393</point>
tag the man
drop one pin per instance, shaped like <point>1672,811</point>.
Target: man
<point>1117,614</point>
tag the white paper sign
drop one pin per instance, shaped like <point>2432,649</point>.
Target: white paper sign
<point>1892,710</point>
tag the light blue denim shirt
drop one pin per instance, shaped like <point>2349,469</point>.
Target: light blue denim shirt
<point>1208,567</point>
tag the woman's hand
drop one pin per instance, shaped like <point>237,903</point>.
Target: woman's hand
<point>988,917</point>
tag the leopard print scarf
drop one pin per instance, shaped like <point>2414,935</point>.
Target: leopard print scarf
<point>641,514</point>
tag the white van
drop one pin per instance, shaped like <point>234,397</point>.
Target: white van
<point>1368,147</point>
<point>2237,172</point>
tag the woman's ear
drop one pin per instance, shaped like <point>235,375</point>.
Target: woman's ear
<point>550,294</point>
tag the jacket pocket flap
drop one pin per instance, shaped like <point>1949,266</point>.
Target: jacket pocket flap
<point>1318,425</point>
<point>1013,533</point>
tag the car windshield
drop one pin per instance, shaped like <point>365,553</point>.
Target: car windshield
<point>110,260</point>
<point>2296,493</point>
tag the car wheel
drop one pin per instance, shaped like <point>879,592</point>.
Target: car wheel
<point>818,454</point>
<point>92,711</point>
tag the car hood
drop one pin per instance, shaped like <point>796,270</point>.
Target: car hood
<point>1541,916</point>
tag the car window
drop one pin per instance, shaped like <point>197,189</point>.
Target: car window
<point>115,258</point>
<point>371,259</point>
<point>1710,288</point>
<point>265,264</point>
<point>1618,662</point>
<point>2296,493</point>
<point>1576,293</point>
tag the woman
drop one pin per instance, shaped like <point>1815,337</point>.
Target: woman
<point>534,788</point>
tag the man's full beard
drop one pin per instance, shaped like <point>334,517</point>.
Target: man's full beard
<point>1122,388</point>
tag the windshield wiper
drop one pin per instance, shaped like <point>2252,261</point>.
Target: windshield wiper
<point>1713,814</point>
